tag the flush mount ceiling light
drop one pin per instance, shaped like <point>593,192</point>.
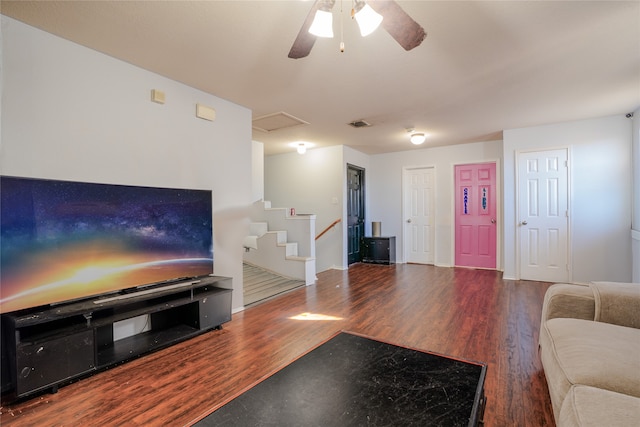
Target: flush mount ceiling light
<point>416,138</point>
<point>301,146</point>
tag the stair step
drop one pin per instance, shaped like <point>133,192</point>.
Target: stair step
<point>253,295</point>
<point>258,228</point>
<point>291,249</point>
<point>260,284</point>
<point>299,258</point>
<point>269,245</point>
<point>281,237</point>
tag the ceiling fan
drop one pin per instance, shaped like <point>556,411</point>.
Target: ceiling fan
<point>407,32</point>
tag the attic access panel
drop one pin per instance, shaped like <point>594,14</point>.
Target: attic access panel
<point>276,121</point>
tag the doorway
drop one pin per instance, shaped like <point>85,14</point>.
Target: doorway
<point>355,212</point>
<point>475,215</point>
<point>543,215</point>
<point>418,187</point>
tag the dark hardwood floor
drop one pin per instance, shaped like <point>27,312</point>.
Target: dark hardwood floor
<point>470,314</point>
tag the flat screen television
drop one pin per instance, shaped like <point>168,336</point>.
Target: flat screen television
<point>63,241</point>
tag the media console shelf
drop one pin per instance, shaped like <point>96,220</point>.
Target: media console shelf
<point>49,347</point>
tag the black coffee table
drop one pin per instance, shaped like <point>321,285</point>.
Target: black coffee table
<point>352,380</point>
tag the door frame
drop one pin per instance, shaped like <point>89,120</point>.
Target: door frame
<point>404,214</point>
<point>363,200</point>
<point>516,230</point>
<point>499,209</point>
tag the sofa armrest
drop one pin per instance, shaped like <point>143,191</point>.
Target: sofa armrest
<point>568,300</point>
<point>617,303</point>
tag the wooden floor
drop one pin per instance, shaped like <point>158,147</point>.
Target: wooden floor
<point>471,314</point>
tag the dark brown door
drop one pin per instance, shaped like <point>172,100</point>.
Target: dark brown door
<point>355,212</point>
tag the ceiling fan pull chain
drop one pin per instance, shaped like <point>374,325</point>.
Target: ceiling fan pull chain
<point>341,30</point>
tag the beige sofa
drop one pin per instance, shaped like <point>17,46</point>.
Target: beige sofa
<point>590,351</point>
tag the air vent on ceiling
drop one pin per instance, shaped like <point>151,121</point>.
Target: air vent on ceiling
<point>276,121</point>
<point>359,124</point>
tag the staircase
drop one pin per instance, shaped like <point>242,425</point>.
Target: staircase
<point>260,284</point>
<point>281,243</point>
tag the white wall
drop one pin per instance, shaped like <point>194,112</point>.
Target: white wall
<point>635,241</point>
<point>385,191</point>
<point>257,171</point>
<point>600,193</point>
<point>72,113</point>
<point>312,183</point>
<point>601,187</point>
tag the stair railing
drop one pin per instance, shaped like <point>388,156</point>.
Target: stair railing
<point>328,228</point>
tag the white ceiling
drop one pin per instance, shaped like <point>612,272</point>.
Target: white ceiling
<point>485,66</point>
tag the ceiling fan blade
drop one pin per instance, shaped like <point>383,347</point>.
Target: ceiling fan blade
<point>407,32</point>
<point>304,41</point>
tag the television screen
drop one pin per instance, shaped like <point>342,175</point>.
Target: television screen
<point>62,240</point>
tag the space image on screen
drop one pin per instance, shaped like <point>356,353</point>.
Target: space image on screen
<point>63,241</point>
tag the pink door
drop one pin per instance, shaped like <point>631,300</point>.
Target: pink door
<point>475,215</point>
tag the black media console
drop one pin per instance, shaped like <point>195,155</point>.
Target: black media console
<point>49,347</point>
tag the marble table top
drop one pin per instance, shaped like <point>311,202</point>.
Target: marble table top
<point>352,380</point>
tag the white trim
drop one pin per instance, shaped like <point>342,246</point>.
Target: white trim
<point>635,234</point>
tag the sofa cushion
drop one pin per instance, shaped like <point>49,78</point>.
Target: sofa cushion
<point>594,407</point>
<point>617,303</point>
<point>566,300</point>
<point>602,355</point>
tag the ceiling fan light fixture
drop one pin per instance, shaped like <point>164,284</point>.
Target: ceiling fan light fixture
<point>417,138</point>
<point>368,19</point>
<point>322,25</point>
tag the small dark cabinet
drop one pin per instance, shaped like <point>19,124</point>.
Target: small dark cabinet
<point>379,250</point>
<point>46,363</point>
<point>47,347</point>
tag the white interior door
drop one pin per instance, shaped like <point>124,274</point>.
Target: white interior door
<point>543,210</point>
<point>418,207</point>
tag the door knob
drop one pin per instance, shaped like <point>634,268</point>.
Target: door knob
<point>409,220</point>
<point>524,223</point>
<point>493,220</point>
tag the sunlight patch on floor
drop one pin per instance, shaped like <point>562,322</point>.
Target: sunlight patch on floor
<point>314,316</point>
